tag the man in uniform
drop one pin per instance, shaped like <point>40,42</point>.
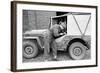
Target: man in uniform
<point>56,31</point>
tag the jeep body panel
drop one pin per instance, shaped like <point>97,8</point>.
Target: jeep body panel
<point>65,41</point>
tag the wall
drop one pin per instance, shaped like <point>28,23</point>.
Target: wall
<point>35,19</point>
<point>5,37</point>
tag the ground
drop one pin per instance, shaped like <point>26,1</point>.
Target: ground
<point>62,56</point>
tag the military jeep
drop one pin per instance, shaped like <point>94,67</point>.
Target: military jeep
<point>76,40</point>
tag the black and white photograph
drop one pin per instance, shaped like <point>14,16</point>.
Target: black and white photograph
<point>53,36</point>
<point>56,36</point>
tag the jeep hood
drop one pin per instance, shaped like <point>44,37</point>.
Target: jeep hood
<point>35,32</point>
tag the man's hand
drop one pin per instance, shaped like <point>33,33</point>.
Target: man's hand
<point>65,33</point>
<point>62,33</point>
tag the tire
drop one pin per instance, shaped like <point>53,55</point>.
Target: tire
<point>77,51</point>
<point>30,49</point>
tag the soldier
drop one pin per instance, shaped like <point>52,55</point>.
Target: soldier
<point>56,31</point>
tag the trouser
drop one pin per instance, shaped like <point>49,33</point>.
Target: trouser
<point>46,49</point>
<point>54,48</point>
<point>49,42</point>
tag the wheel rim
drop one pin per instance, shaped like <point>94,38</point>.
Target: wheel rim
<point>77,51</point>
<point>29,50</point>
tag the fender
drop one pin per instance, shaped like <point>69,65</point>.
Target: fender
<point>34,38</point>
<point>78,40</point>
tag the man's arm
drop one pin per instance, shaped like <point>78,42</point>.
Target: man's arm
<point>56,32</point>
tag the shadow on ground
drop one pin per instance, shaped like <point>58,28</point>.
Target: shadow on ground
<point>62,56</point>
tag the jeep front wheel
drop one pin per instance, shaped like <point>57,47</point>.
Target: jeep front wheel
<point>77,51</point>
<point>30,49</point>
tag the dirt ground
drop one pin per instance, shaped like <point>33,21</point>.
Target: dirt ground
<point>62,56</point>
